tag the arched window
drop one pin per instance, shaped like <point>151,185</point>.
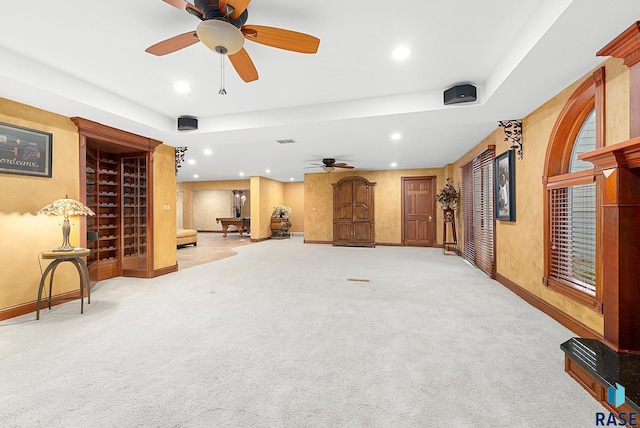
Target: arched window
<point>571,218</point>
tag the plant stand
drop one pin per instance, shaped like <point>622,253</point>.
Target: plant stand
<point>280,228</point>
<point>449,218</point>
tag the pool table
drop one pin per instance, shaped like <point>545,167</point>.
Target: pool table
<point>242,223</point>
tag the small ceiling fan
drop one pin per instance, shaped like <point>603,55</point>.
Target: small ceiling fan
<point>222,29</point>
<point>329,165</point>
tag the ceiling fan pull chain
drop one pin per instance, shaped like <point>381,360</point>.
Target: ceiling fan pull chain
<point>222,91</point>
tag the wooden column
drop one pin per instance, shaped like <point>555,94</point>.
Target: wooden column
<point>627,47</point>
<point>619,165</point>
<point>620,201</point>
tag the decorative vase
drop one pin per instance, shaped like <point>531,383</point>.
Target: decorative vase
<point>280,227</point>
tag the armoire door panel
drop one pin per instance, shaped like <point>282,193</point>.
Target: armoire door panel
<point>342,232</point>
<point>362,232</point>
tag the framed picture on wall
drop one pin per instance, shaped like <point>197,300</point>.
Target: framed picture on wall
<point>25,151</point>
<point>505,186</point>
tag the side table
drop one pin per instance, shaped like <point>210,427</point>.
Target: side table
<point>76,258</point>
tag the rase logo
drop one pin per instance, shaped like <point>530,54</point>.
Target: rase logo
<point>616,397</point>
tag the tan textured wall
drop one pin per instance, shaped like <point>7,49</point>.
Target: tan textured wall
<point>271,194</point>
<point>164,210</point>
<point>23,235</point>
<point>519,245</point>
<point>187,188</point>
<point>318,203</point>
<point>209,205</point>
<point>294,198</point>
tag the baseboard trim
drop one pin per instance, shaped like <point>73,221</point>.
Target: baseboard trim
<point>309,241</point>
<point>575,326</point>
<point>26,308</point>
<point>260,239</point>
<point>165,270</point>
<point>390,244</point>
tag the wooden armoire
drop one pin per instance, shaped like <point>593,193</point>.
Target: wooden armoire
<point>116,182</point>
<point>353,212</point>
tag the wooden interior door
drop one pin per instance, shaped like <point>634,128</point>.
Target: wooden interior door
<point>418,207</point>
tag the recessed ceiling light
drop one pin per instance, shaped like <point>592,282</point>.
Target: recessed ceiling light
<point>182,87</point>
<point>291,179</point>
<point>393,164</point>
<point>242,174</point>
<point>401,52</point>
<point>267,170</point>
<point>208,151</point>
<point>195,176</point>
<point>396,136</point>
<point>191,162</point>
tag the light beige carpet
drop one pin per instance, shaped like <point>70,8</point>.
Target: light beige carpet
<point>211,247</point>
<point>279,336</point>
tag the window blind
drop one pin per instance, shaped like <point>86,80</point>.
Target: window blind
<point>467,192</point>
<point>477,178</point>
<point>483,212</point>
<point>572,258</point>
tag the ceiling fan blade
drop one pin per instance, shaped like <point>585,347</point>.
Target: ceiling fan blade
<point>185,5</point>
<point>241,61</point>
<point>344,166</point>
<point>239,6</point>
<point>173,44</point>
<point>180,4</point>
<point>281,38</point>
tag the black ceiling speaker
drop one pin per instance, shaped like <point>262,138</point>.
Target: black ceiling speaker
<point>460,94</point>
<point>187,123</point>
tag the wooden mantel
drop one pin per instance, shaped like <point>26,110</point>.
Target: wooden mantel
<point>621,155</point>
<point>619,165</point>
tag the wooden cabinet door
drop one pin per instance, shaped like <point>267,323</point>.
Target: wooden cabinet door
<point>342,232</point>
<point>362,234</point>
<point>353,212</point>
<point>361,201</point>
<point>343,202</point>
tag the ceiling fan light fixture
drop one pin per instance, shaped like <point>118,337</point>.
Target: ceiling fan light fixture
<point>328,168</point>
<point>220,36</point>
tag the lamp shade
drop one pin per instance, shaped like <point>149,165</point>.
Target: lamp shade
<point>220,36</point>
<point>65,207</point>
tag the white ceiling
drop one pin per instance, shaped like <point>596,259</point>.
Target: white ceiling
<point>86,58</point>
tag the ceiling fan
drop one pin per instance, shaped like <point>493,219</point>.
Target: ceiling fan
<point>222,29</point>
<point>329,165</point>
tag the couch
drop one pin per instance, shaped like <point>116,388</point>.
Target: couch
<point>186,237</point>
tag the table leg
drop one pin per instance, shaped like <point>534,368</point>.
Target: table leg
<point>53,272</point>
<point>44,277</point>
<point>224,231</point>
<point>76,263</point>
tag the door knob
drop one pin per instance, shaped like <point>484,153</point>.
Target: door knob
<point>429,219</point>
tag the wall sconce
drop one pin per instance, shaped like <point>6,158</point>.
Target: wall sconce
<point>513,133</point>
<point>180,151</point>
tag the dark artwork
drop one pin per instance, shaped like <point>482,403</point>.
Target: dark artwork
<point>24,151</point>
<point>504,190</point>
